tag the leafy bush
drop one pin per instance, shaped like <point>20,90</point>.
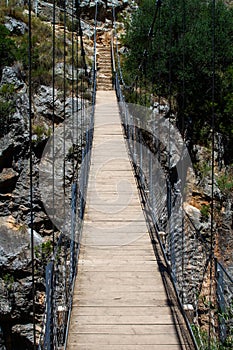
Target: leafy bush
<point>43,252</point>
<point>179,62</point>
<point>225,183</point>
<point>8,49</point>
<point>40,131</point>
<point>205,211</point>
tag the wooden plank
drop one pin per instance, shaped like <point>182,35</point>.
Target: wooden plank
<point>140,329</point>
<point>119,298</point>
<point>125,339</point>
<point>123,319</point>
<point>125,347</point>
<point>126,311</point>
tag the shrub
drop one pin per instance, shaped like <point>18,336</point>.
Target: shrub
<point>8,49</point>
<point>205,210</point>
<point>225,183</point>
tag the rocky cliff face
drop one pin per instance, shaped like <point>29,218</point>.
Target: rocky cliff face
<point>16,309</point>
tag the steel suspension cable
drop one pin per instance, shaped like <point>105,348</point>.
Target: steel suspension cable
<point>169,190</point>
<point>53,117</point>
<point>72,84</point>
<point>31,167</point>
<point>183,242</point>
<point>212,272</point>
<point>64,110</point>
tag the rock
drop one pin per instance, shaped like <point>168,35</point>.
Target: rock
<point>193,213</point>
<point>104,8</point>
<point>36,237</point>
<point>5,303</point>
<point>2,346</point>
<point>13,246</point>
<point>8,178</point>
<point>43,103</point>
<point>11,75</point>
<point>15,142</point>
<point>6,151</point>
<point>24,332</point>
<point>87,29</point>
<point>44,9</point>
<point>15,26</point>
<point>71,74</point>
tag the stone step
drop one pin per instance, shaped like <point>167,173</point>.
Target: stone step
<point>105,72</point>
<point>104,56</point>
<point>104,63</point>
<point>104,66</point>
<point>103,49</point>
<point>105,88</point>
<point>105,80</point>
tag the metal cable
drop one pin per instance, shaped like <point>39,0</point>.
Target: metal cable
<point>53,116</point>
<point>211,259</point>
<point>72,84</point>
<point>31,167</point>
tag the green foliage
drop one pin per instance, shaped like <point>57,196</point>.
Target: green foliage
<point>8,280</point>
<point>7,107</point>
<point>225,183</point>
<point>202,336</point>
<point>180,52</point>
<point>23,228</point>
<point>226,317</point>
<point>8,49</point>
<point>43,252</point>
<point>41,131</point>
<point>205,211</point>
<point>203,343</point>
<point>202,170</point>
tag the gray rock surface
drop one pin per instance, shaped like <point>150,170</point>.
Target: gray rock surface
<point>11,75</point>
<point>15,26</point>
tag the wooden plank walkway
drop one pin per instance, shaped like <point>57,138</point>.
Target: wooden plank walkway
<point>119,297</point>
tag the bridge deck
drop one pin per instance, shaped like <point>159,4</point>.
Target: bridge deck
<point>119,297</point>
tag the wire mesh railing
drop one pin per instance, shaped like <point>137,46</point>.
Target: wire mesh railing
<point>61,270</point>
<point>202,285</point>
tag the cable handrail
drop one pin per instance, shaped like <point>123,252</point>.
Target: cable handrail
<point>190,268</point>
<point>61,270</point>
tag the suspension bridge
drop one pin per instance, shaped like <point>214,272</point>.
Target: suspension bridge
<point>130,269</point>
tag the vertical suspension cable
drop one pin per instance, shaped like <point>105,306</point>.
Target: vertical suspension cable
<point>182,133</point>
<point>31,164</point>
<point>72,97</point>
<point>53,117</point>
<point>77,70</point>
<point>159,77</point>
<point>169,192</point>
<point>64,112</point>
<point>212,173</point>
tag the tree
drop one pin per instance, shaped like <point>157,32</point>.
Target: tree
<point>179,61</point>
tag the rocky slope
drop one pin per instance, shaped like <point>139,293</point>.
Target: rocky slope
<point>16,309</point>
